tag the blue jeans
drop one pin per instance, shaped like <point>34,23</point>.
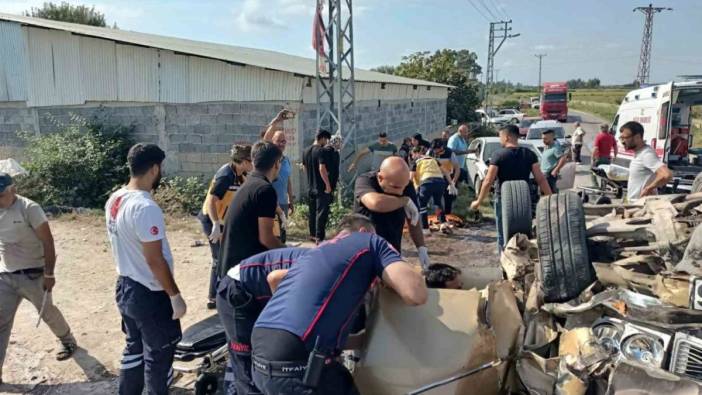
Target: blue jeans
<point>498,223</point>
<point>432,189</point>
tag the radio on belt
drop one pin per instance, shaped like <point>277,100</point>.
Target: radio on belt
<point>315,365</point>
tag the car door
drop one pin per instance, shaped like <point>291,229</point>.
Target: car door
<point>472,159</point>
<point>482,165</point>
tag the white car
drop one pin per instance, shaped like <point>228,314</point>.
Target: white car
<point>510,115</point>
<point>485,147</point>
<point>538,128</point>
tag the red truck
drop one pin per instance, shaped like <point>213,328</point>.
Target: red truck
<point>554,101</point>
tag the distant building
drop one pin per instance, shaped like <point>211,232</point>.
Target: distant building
<point>193,98</point>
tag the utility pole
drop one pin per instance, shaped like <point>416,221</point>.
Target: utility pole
<point>336,94</point>
<point>645,58</point>
<point>498,31</point>
<point>540,56</point>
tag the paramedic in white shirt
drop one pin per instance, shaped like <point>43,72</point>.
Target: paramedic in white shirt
<point>646,171</point>
<point>147,295</point>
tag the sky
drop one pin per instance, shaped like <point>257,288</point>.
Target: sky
<point>581,38</point>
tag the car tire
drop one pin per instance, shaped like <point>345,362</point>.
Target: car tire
<point>514,121</point>
<point>206,384</point>
<point>565,267</point>
<point>516,209</point>
<point>697,184</point>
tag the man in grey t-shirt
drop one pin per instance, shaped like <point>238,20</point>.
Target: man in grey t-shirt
<point>646,171</point>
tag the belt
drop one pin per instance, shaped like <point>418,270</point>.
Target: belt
<point>279,368</point>
<point>35,270</point>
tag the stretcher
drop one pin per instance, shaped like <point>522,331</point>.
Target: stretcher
<point>203,351</point>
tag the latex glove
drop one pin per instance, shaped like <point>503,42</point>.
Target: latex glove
<point>452,190</point>
<point>179,307</point>
<point>475,205</point>
<point>283,220</point>
<point>216,233</point>
<point>424,257</point>
<point>412,212</point>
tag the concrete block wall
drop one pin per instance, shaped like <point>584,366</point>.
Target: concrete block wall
<point>197,137</point>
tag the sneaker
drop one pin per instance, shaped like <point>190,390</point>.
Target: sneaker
<point>426,232</point>
<point>211,304</point>
<point>66,351</point>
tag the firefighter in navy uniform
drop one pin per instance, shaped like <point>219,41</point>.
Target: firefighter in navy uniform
<point>220,194</point>
<point>241,296</point>
<point>305,325</point>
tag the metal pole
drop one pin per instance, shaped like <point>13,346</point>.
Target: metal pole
<point>644,70</point>
<point>540,56</point>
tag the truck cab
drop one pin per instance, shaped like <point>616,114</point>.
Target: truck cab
<point>666,113</point>
<point>554,101</point>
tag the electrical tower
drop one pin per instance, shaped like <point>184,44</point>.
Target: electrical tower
<point>336,95</point>
<point>540,56</point>
<point>645,58</point>
<point>498,31</point>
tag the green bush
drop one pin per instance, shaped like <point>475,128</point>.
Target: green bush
<point>510,104</point>
<point>77,166</point>
<point>181,195</point>
<point>298,225</point>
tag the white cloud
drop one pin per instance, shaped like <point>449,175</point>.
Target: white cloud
<point>252,16</point>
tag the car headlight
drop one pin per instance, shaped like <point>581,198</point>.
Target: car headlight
<point>643,348</point>
<point>608,336</point>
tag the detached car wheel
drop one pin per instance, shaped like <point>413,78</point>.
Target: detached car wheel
<point>563,255</point>
<point>516,208</point>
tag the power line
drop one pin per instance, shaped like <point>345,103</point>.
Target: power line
<point>479,12</point>
<point>494,17</point>
<point>499,7</point>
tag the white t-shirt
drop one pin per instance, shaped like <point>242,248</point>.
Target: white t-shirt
<point>577,138</point>
<point>133,218</point>
<point>641,170</point>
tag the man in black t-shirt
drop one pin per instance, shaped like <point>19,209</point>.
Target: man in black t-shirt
<point>248,229</point>
<point>315,160</point>
<point>388,198</point>
<point>510,163</point>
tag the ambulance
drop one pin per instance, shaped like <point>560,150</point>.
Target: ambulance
<point>665,111</point>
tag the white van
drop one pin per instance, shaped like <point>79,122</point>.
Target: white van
<point>665,113</point>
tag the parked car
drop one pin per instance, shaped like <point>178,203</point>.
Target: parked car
<point>537,128</point>
<point>482,150</point>
<point>535,102</point>
<point>510,115</point>
<point>524,125</point>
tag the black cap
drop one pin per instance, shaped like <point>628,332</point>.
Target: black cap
<point>5,181</point>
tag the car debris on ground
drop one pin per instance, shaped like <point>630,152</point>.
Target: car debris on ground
<point>605,299</point>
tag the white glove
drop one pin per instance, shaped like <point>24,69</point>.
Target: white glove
<point>179,307</point>
<point>412,212</point>
<point>424,257</point>
<point>452,190</point>
<point>283,220</point>
<point>216,233</point>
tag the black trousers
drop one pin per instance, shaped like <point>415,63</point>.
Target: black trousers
<point>335,380</point>
<point>319,207</point>
<point>151,335</point>
<point>214,250</point>
<point>577,148</point>
<point>238,311</point>
<point>552,182</point>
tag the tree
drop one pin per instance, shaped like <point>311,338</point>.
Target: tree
<point>450,67</point>
<point>65,12</point>
<point>384,69</point>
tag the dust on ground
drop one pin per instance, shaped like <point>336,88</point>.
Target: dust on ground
<point>85,294</point>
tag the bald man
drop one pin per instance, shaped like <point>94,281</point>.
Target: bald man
<point>388,198</point>
<point>458,143</point>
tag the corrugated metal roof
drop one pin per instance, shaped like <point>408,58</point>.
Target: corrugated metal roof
<point>250,56</point>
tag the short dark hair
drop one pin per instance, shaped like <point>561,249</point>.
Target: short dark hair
<point>634,127</point>
<point>240,153</point>
<point>438,144</point>
<point>323,134</point>
<point>142,157</point>
<point>264,154</point>
<point>382,135</point>
<point>548,131</point>
<point>418,136</point>
<point>512,130</point>
<point>438,274</point>
<point>354,223</point>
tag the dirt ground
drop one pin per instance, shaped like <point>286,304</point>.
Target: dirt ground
<point>85,294</point>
